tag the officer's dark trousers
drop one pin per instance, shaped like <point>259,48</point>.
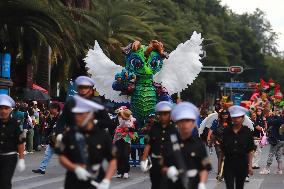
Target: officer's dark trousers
<point>123,149</point>
<point>7,168</point>
<point>72,182</point>
<point>155,174</point>
<point>235,172</point>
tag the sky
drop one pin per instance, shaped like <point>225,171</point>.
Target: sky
<point>274,10</point>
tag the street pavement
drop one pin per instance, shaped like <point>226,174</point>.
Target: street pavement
<point>54,177</point>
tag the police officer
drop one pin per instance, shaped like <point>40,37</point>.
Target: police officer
<point>186,162</point>
<point>237,149</point>
<point>86,151</point>
<point>156,140</point>
<point>11,141</point>
<point>85,89</point>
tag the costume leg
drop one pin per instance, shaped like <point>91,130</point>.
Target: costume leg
<point>217,150</point>
<point>120,159</point>
<point>126,157</point>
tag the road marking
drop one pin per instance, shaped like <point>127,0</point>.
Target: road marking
<point>41,183</point>
<point>130,183</point>
<point>252,184</point>
<point>21,178</point>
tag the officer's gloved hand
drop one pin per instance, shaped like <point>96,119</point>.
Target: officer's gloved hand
<point>143,165</point>
<point>81,173</point>
<point>172,173</point>
<point>201,185</point>
<point>105,184</point>
<point>21,166</point>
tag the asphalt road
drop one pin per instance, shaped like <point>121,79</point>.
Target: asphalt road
<point>54,177</point>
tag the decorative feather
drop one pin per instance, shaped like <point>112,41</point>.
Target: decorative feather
<point>182,66</point>
<point>248,122</point>
<point>207,122</point>
<point>103,71</point>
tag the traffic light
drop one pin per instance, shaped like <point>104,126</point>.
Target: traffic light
<point>236,69</point>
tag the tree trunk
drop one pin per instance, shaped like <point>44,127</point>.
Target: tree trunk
<point>27,60</point>
<point>43,68</point>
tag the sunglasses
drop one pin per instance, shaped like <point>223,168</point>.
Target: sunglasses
<point>84,87</point>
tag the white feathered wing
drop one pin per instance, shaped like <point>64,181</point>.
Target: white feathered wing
<point>182,66</point>
<point>207,122</point>
<point>248,122</point>
<point>103,71</point>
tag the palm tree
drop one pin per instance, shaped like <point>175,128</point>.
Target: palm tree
<point>25,25</point>
<point>116,23</point>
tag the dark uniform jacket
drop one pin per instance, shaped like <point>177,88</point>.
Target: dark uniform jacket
<point>10,136</point>
<point>158,137</point>
<point>67,119</point>
<point>195,157</point>
<point>237,145</point>
<point>95,149</point>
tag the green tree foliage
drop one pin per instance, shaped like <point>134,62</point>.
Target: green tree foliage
<point>116,23</point>
<point>262,30</point>
<point>25,24</point>
<point>275,69</point>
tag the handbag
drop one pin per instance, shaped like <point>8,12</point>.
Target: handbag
<point>263,142</point>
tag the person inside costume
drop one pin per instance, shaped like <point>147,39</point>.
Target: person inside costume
<point>124,133</point>
<point>215,135</point>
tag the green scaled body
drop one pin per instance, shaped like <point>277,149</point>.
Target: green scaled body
<point>144,98</point>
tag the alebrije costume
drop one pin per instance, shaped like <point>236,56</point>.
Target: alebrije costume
<point>126,127</point>
<point>267,95</point>
<point>150,74</point>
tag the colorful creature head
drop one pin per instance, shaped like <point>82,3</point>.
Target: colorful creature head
<point>264,85</point>
<point>237,98</point>
<point>224,100</point>
<point>144,60</point>
<point>254,96</point>
<point>264,97</point>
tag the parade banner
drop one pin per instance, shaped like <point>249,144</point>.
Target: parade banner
<point>4,91</point>
<point>5,65</point>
